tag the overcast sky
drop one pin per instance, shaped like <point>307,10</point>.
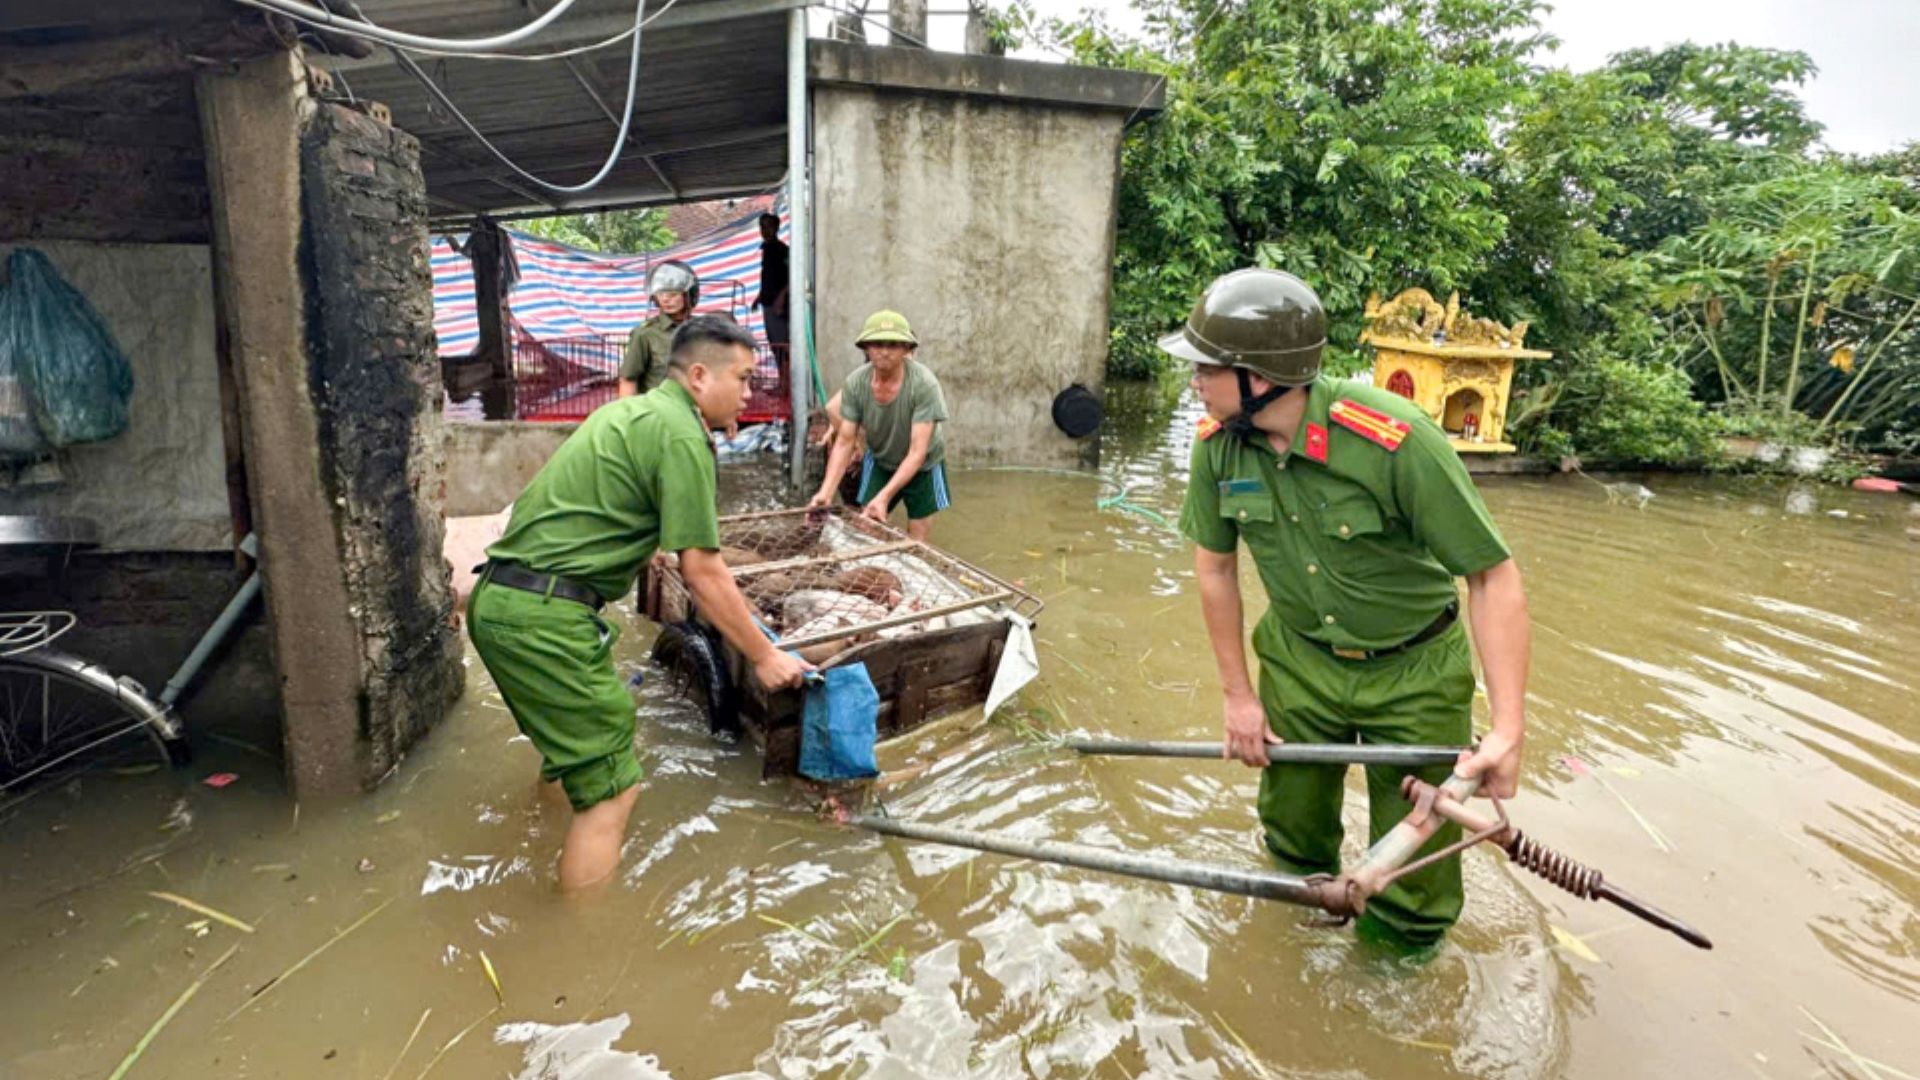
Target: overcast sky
<point>1868,51</point>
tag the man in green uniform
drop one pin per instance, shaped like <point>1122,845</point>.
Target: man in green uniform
<point>894,402</point>
<point>1359,516</point>
<point>637,477</point>
<point>675,291</point>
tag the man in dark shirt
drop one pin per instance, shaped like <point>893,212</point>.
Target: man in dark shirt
<point>772,300</point>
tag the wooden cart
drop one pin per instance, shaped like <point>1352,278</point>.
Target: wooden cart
<point>840,589</point>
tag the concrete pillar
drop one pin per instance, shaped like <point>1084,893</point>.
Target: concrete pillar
<point>486,246</point>
<point>250,117</point>
<point>375,385</point>
<point>979,39</point>
<point>907,21</point>
<point>319,230</point>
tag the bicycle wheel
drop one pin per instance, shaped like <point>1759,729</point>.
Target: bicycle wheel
<point>57,709</point>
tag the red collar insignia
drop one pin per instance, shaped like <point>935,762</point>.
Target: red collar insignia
<point>1316,445</point>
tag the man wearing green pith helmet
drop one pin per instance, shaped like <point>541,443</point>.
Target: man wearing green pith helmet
<point>1358,516</point>
<point>893,403</point>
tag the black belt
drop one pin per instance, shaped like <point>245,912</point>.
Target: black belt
<point>1433,630</point>
<point>515,576</point>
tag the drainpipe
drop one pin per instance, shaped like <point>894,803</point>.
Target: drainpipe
<point>800,262</point>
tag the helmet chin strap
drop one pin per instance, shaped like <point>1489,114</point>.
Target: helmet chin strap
<point>1240,424</point>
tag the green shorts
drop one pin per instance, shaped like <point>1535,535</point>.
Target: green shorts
<point>551,659</point>
<point>925,495</point>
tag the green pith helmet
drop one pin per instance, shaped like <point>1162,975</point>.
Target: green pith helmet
<point>1266,321</point>
<point>886,326</point>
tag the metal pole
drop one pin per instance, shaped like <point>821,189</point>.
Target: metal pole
<point>218,632</point>
<point>800,251</point>
<point>1261,884</point>
<point>1406,757</point>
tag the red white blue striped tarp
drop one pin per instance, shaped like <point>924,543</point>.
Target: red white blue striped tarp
<point>564,292</point>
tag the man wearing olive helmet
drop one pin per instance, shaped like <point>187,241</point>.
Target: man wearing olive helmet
<point>894,406</point>
<point>1359,516</point>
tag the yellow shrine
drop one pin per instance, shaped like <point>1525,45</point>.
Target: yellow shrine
<point>1456,367</point>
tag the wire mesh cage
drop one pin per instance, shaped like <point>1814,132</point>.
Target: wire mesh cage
<point>826,581</point>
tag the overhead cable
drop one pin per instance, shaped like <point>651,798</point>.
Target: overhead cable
<point>619,142</point>
<point>362,28</point>
<point>563,54</point>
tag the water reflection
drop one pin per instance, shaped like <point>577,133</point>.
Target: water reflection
<point>578,1051</point>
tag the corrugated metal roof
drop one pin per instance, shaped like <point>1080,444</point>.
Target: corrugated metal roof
<point>710,119</point>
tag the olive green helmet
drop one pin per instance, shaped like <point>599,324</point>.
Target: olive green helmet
<point>883,326</point>
<point>1266,321</point>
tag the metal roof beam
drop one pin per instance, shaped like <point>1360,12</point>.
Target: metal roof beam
<point>468,173</point>
<point>491,177</point>
<point>630,202</point>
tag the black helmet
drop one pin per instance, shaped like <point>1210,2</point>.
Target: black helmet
<point>1265,321</point>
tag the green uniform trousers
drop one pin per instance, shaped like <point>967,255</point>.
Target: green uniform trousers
<point>551,659</point>
<point>1421,695</point>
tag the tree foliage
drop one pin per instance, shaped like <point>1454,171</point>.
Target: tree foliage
<point>1633,214</point>
<point>613,231</point>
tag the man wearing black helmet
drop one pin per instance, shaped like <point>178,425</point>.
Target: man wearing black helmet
<point>1359,516</point>
<point>675,291</point>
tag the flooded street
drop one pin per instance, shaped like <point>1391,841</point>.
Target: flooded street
<point>1723,718</point>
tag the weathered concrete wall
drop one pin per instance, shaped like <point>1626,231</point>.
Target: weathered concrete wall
<point>375,383</point>
<point>160,485</point>
<point>489,464</point>
<point>977,196</point>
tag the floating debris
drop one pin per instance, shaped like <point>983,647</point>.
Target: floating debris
<point>1872,1069</point>
<point>139,1048</point>
<point>451,1043</point>
<point>422,1022</point>
<point>202,909</point>
<point>1568,940</point>
<point>853,954</point>
<point>498,994</point>
<point>268,986</point>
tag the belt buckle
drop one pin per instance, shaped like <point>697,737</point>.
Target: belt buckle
<point>1350,654</point>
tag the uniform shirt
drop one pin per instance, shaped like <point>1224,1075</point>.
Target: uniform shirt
<point>889,427</point>
<point>648,348</point>
<point>1356,551</point>
<point>635,478</point>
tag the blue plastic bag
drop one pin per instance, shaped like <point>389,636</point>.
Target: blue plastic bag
<point>57,353</point>
<point>839,726</point>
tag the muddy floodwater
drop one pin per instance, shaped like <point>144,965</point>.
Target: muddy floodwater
<point>1724,717</point>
